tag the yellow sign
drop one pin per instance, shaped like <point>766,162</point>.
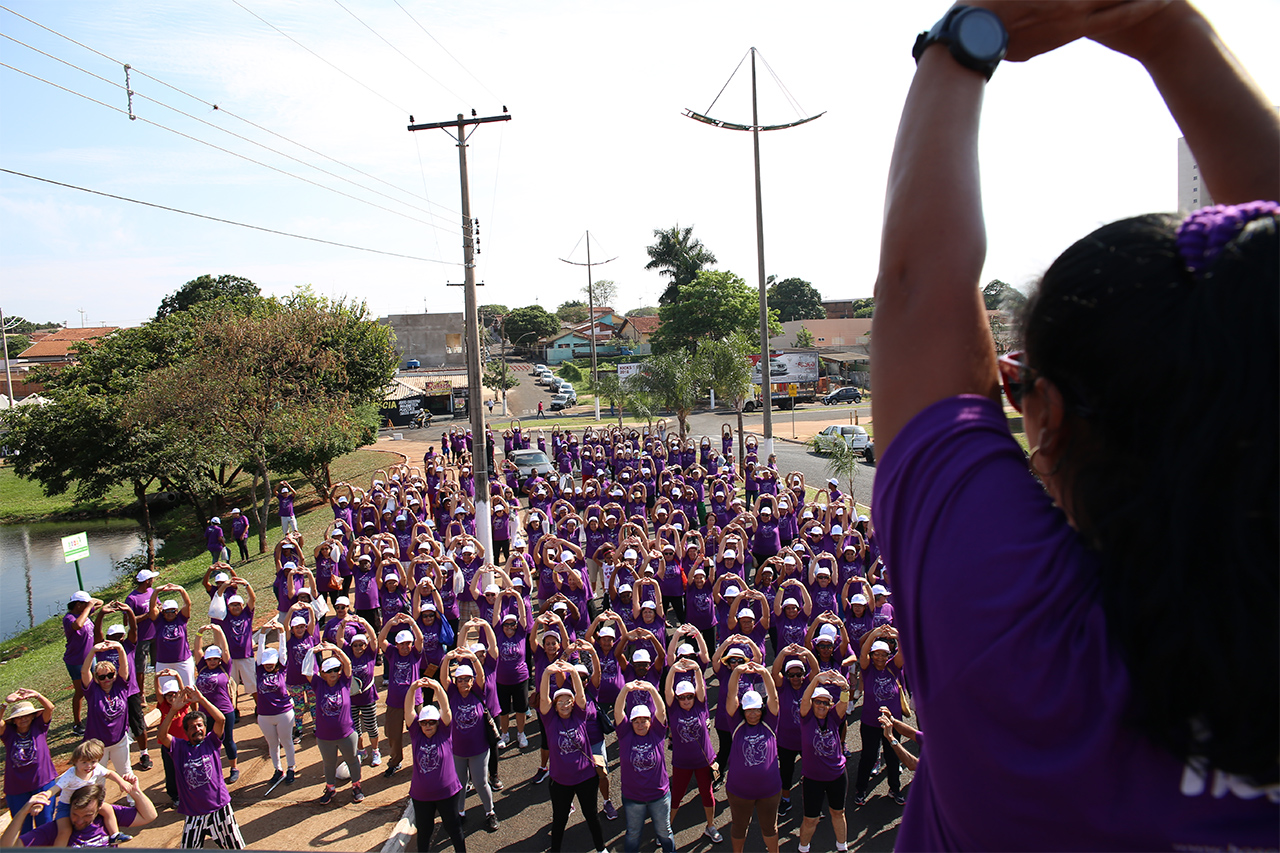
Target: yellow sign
<point>791,389</point>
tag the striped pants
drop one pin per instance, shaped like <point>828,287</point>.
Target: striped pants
<point>220,825</point>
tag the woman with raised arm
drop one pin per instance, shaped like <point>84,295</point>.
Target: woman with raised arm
<point>691,752</point>
<point>753,783</point>
<point>572,769</point>
<point>335,732</point>
<point>1144,323</point>
<point>434,787</point>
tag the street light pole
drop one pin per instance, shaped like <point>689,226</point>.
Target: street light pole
<point>591,316</point>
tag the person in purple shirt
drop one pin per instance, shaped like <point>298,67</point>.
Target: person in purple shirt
<point>646,793</point>
<point>573,770</point>
<point>465,689</point>
<point>1084,578</point>
<point>435,785</point>
<point>215,540</point>
<point>822,708</point>
<point>691,752</point>
<point>273,708</point>
<point>28,764</point>
<point>170,617</point>
<point>880,687</point>
<point>285,496</point>
<point>125,635</point>
<point>203,797</point>
<point>139,601</point>
<point>79,637</point>
<point>87,823</point>
<point>752,782</point>
<point>513,670</point>
<point>240,533</point>
<point>106,691</point>
<point>335,731</point>
<point>400,641</point>
<point>213,677</point>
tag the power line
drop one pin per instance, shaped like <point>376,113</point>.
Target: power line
<point>227,221</point>
<point>229,132</point>
<point>221,109</point>
<point>446,50</point>
<point>399,108</point>
<point>399,51</point>
<point>220,148</point>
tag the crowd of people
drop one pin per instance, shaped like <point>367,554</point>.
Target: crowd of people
<point>645,592</point>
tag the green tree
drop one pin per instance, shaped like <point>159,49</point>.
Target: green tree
<point>23,326</point>
<point>497,378</point>
<point>796,299</point>
<point>645,311</point>
<point>525,325</point>
<point>674,383</point>
<point>997,296</point>
<point>16,343</point>
<point>605,292</point>
<point>677,255</point>
<point>864,308</point>
<point>491,314</point>
<point>206,288</point>
<point>714,305</point>
<point>725,366</point>
<point>572,312</point>
<point>804,339</point>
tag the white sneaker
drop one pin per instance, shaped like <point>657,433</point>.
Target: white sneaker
<point>504,741</point>
<point>377,758</point>
<point>522,740</point>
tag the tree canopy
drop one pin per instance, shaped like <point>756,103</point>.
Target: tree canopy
<point>864,308</point>
<point>796,299</point>
<point>643,311</point>
<point>715,304</point>
<point>679,256</point>
<point>206,288</point>
<point>525,325</point>
<point>490,314</point>
<point>604,291</point>
<point>998,295</point>
<point>804,339</point>
<point>573,311</point>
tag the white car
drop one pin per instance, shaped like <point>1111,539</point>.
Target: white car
<point>851,434</point>
<point>528,461</point>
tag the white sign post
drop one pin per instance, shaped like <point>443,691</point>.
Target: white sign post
<point>76,548</point>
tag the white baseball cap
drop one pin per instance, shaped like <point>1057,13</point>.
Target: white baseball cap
<point>81,595</point>
<point>493,587</point>
<point>731,590</point>
<point>170,685</point>
<point>685,649</point>
<point>630,554</point>
<point>641,710</point>
<point>879,589</point>
<point>428,713</point>
<point>563,691</point>
<point>215,520</point>
<point>833,481</point>
<point>145,575</point>
<point>607,631</point>
<point>235,599</point>
<point>511,617</point>
<point>330,664</point>
<point>342,599</point>
<point>685,688</point>
<point>626,587</point>
<point>117,630</point>
<point>822,570</point>
<point>746,612</point>
<point>223,577</point>
<point>794,664</point>
<point>649,605</point>
<point>880,646</point>
<point>170,604</point>
<point>751,700</point>
<point>790,602</point>
<point>730,553</point>
<point>858,598</point>
<point>641,656</point>
<point>404,637</point>
<point>298,620</point>
<point>464,671</point>
<point>270,656</point>
<point>212,652</point>
<point>821,693</point>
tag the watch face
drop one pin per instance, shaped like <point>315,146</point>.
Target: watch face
<point>981,36</point>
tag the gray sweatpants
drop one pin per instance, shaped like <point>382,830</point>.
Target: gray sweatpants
<point>329,754</point>
<point>478,767</point>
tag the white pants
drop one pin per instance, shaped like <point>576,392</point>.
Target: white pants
<point>278,730</point>
<point>118,754</point>
<point>288,524</point>
<point>186,670</point>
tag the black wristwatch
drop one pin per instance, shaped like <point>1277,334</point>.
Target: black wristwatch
<point>976,37</point>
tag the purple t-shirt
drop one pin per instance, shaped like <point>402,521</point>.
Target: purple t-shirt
<point>1031,642</point>
<point>434,777</point>
<point>140,604</point>
<point>28,766</point>
<point>333,708</point>
<point>214,538</point>
<point>789,714</point>
<point>171,639</point>
<point>880,688</point>
<point>93,835</point>
<point>821,748</point>
<point>201,790</point>
<point>402,670</point>
<point>272,696</point>
<point>468,722</point>
<point>513,665</point>
<point>79,640</point>
<point>566,737</point>
<point>644,762</point>
<point>364,682</point>
<point>239,633</point>
<point>108,711</point>
<point>690,737</point>
<point>286,504</point>
<point>214,683</point>
<point>753,758</point>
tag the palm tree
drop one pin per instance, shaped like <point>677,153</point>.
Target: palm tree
<point>680,256</point>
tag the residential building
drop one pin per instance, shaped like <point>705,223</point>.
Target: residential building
<point>55,350</point>
<point>433,340</point>
<point>636,332</point>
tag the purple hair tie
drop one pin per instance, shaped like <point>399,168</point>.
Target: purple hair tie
<point>1202,234</point>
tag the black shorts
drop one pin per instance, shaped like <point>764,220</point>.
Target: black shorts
<point>514,697</point>
<point>137,722</point>
<point>817,793</point>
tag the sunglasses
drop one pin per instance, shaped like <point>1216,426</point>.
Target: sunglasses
<point>1015,377</point>
<point>106,676</point>
<point>822,703</point>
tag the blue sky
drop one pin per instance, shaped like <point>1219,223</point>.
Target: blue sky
<point>597,142</point>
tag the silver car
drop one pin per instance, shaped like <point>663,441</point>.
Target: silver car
<point>528,461</point>
<point>853,435</point>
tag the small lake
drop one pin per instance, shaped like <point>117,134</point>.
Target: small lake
<point>35,579</point>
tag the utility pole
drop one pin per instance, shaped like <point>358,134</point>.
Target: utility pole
<point>475,402</point>
<point>766,378</point>
<point>8,374</point>
<point>591,315</point>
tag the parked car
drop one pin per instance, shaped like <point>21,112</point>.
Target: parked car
<point>528,461</point>
<point>540,370</point>
<point>557,384</point>
<point>562,401</point>
<point>851,434</point>
<point>413,364</point>
<point>843,395</point>
<point>546,378</point>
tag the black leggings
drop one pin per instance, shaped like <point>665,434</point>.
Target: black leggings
<point>722,754</point>
<point>787,767</point>
<point>872,738</point>
<point>229,735</point>
<point>588,793</point>
<point>501,551</point>
<point>676,605</point>
<point>424,815</point>
<point>243,545</point>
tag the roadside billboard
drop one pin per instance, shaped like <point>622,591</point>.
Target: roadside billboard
<point>788,367</point>
<point>626,371</point>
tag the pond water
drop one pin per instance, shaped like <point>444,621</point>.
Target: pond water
<point>35,579</point>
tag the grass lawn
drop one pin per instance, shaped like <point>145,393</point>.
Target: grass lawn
<point>33,659</point>
<point>24,500</point>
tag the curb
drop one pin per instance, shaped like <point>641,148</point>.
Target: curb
<point>404,827</point>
